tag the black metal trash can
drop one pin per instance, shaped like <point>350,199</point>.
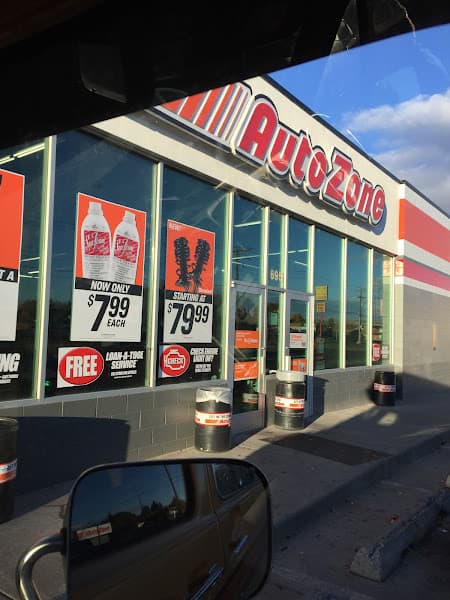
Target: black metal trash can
<point>8,466</point>
<point>384,388</point>
<point>213,419</point>
<point>289,405</point>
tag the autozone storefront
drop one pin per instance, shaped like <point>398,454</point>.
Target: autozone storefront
<point>212,240</point>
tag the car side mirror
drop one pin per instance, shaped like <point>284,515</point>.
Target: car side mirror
<point>197,529</point>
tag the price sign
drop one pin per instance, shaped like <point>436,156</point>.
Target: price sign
<point>188,304</point>
<point>109,267</point>
<point>11,201</point>
<point>106,316</point>
<point>188,321</point>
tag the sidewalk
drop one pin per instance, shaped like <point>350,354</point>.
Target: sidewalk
<point>341,453</point>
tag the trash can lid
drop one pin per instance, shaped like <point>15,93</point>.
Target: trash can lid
<point>290,376</point>
<point>214,393</point>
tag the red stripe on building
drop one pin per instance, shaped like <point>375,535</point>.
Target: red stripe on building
<point>237,113</point>
<point>421,273</point>
<point>191,106</point>
<point>417,227</point>
<point>232,106</point>
<point>222,107</point>
<point>174,105</point>
<point>207,108</point>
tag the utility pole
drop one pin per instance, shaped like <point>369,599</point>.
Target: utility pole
<point>360,315</point>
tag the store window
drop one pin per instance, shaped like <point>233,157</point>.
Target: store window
<point>356,337</point>
<point>381,311</point>
<point>275,268</point>
<point>247,241</point>
<point>327,290</point>
<point>21,189</point>
<point>192,272</point>
<point>298,254</point>
<point>100,266</point>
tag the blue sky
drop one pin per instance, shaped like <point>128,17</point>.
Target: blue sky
<point>392,98</point>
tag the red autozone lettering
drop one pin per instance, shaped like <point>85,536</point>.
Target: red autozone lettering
<point>105,528</point>
<point>214,419</point>
<point>8,471</point>
<point>282,151</point>
<point>294,403</point>
<point>383,387</point>
<point>259,132</point>
<point>317,170</point>
<point>87,534</point>
<point>251,129</point>
<point>263,139</point>
<point>341,167</point>
<point>93,532</point>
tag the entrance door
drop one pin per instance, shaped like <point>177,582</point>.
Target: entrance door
<point>246,369</point>
<point>298,355</point>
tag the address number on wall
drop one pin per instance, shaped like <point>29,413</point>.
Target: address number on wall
<point>276,275</point>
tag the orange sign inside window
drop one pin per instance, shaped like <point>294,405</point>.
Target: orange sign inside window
<point>244,338</point>
<point>11,198</point>
<point>299,364</point>
<point>247,369</point>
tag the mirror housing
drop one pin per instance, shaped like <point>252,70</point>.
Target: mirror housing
<point>180,528</point>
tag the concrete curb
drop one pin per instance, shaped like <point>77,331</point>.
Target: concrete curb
<point>377,562</point>
<point>382,469</point>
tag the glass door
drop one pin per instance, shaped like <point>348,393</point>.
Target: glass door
<point>246,372</point>
<point>298,346</point>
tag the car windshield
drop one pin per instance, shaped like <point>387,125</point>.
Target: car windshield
<point>222,237</point>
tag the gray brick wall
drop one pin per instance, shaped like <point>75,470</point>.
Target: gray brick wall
<point>424,346</point>
<point>60,438</point>
<point>87,431</point>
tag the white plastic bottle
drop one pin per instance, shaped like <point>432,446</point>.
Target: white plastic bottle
<point>95,243</point>
<point>125,250</point>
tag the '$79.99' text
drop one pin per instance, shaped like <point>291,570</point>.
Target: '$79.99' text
<point>187,314</point>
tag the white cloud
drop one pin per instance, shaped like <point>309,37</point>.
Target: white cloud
<point>412,140</point>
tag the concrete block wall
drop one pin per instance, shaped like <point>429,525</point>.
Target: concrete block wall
<point>337,389</point>
<point>423,343</point>
<point>58,439</point>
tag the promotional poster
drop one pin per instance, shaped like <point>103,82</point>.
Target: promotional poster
<point>192,361</point>
<point>82,365</point>
<point>189,285</point>
<point>109,271</point>
<point>11,202</point>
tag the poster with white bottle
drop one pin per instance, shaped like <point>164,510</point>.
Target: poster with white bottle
<point>108,271</point>
<point>11,202</point>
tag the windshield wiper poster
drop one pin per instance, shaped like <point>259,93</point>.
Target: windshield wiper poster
<point>189,285</point>
<point>11,206</point>
<point>109,272</point>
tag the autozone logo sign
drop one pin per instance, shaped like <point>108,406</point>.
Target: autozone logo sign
<point>249,127</point>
